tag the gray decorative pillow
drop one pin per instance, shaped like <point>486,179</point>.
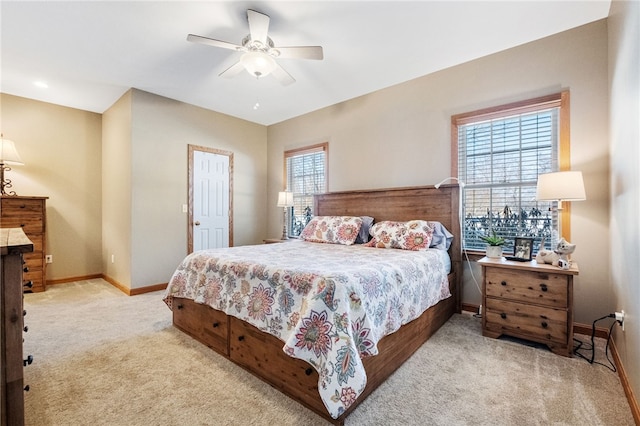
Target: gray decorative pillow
<point>441,236</point>
<point>363,235</point>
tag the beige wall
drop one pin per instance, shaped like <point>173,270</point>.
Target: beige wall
<point>401,136</point>
<point>60,147</point>
<point>148,233</point>
<point>624,80</point>
<point>116,190</point>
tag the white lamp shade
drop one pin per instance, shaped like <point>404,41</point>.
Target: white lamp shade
<point>258,64</point>
<point>285,199</point>
<point>8,152</point>
<point>560,186</point>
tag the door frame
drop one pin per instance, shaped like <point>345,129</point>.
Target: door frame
<point>192,149</point>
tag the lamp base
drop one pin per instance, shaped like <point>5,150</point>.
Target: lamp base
<point>285,235</point>
<point>5,183</point>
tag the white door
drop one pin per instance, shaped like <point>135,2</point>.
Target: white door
<point>210,200</point>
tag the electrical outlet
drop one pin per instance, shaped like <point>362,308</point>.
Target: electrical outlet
<point>48,258</point>
<point>620,318</point>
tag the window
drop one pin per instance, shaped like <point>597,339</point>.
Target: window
<point>306,175</point>
<point>498,154</point>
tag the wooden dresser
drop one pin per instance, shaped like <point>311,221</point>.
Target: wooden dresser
<point>30,214</point>
<point>13,246</point>
<point>528,301</point>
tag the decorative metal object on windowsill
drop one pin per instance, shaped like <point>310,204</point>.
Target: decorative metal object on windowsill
<point>8,155</point>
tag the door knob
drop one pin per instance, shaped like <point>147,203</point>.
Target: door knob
<point>197,223</point>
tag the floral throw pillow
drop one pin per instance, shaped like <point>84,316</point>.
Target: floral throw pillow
<point>411,235</point>
<point>332,229</point>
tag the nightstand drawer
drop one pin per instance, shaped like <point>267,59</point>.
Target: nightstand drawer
<point>542,288</point>
<point>534,322</point>
<point>20,207</point>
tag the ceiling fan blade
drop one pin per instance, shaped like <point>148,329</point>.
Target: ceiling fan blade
<point>258,26</point>
<point>233,70</point>
<point>213,42</point>
<point>300,52</point>
<point>282,76</point>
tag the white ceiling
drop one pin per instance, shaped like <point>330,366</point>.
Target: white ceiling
<point>90,52</point>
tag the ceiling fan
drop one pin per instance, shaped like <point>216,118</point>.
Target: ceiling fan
<point>260,54</point>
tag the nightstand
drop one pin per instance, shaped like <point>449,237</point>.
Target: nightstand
<point>529,301</point>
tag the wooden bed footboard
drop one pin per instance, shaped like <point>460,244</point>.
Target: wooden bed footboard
<point>261,353</point>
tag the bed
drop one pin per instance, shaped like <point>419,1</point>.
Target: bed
<point>325,337</point>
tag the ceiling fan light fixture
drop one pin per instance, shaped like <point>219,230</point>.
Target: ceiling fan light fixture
<point>258,64</point>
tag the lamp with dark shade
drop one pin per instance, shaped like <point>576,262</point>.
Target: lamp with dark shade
<point>8,155</point>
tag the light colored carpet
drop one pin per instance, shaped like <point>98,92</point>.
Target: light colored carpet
<point>104,358</point>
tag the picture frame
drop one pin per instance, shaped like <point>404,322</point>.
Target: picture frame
<point>523,248</point>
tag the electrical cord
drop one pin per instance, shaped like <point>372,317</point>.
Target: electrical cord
<point>473,277</point>
<point>592,348</point>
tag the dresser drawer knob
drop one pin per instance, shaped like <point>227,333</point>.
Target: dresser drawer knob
<point>26,388</point>
<point>543,287</point>
<point>26,328</point>
<point>28,284</point>
<point>308,371</point>
<point>544,324</point>
<point>503,283</point>
<point>180,306</point>
<point>26,269</point>
<point>503,315</point>
<point>24,312</point>
<point>240,338</point>
<point>216,324</point>
<point>27,361</point>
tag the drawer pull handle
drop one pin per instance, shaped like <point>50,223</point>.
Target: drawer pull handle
<point>543,287</point>
<point>503,283</point>
<point>240,338</point>
<point>22,225</point>
<point>308,371</point>
<point>503,315</point>
<point>27,361</point>
<point>216,324</point>
<point>26,328</point>
<point>26,388</point>
<point>544,324</point>
<point>24,312</point>
<point>26,269</point>
<point>28,284</point>
<point>180,306</point>
<point>22,206</point>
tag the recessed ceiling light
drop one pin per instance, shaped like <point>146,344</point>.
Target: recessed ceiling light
<point>41,84</point>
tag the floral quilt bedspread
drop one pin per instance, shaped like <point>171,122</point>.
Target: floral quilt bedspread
<point>330,304</point>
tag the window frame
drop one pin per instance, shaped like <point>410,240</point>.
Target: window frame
<point>309,149</point>
<point>560,100</point>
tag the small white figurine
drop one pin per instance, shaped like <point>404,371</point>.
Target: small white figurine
<point>557,257</point>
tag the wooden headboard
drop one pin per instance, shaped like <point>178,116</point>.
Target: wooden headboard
<point>401,204</point>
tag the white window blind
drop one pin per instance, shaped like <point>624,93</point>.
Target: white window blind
<point>306,176</point>
<point>499,159</point>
